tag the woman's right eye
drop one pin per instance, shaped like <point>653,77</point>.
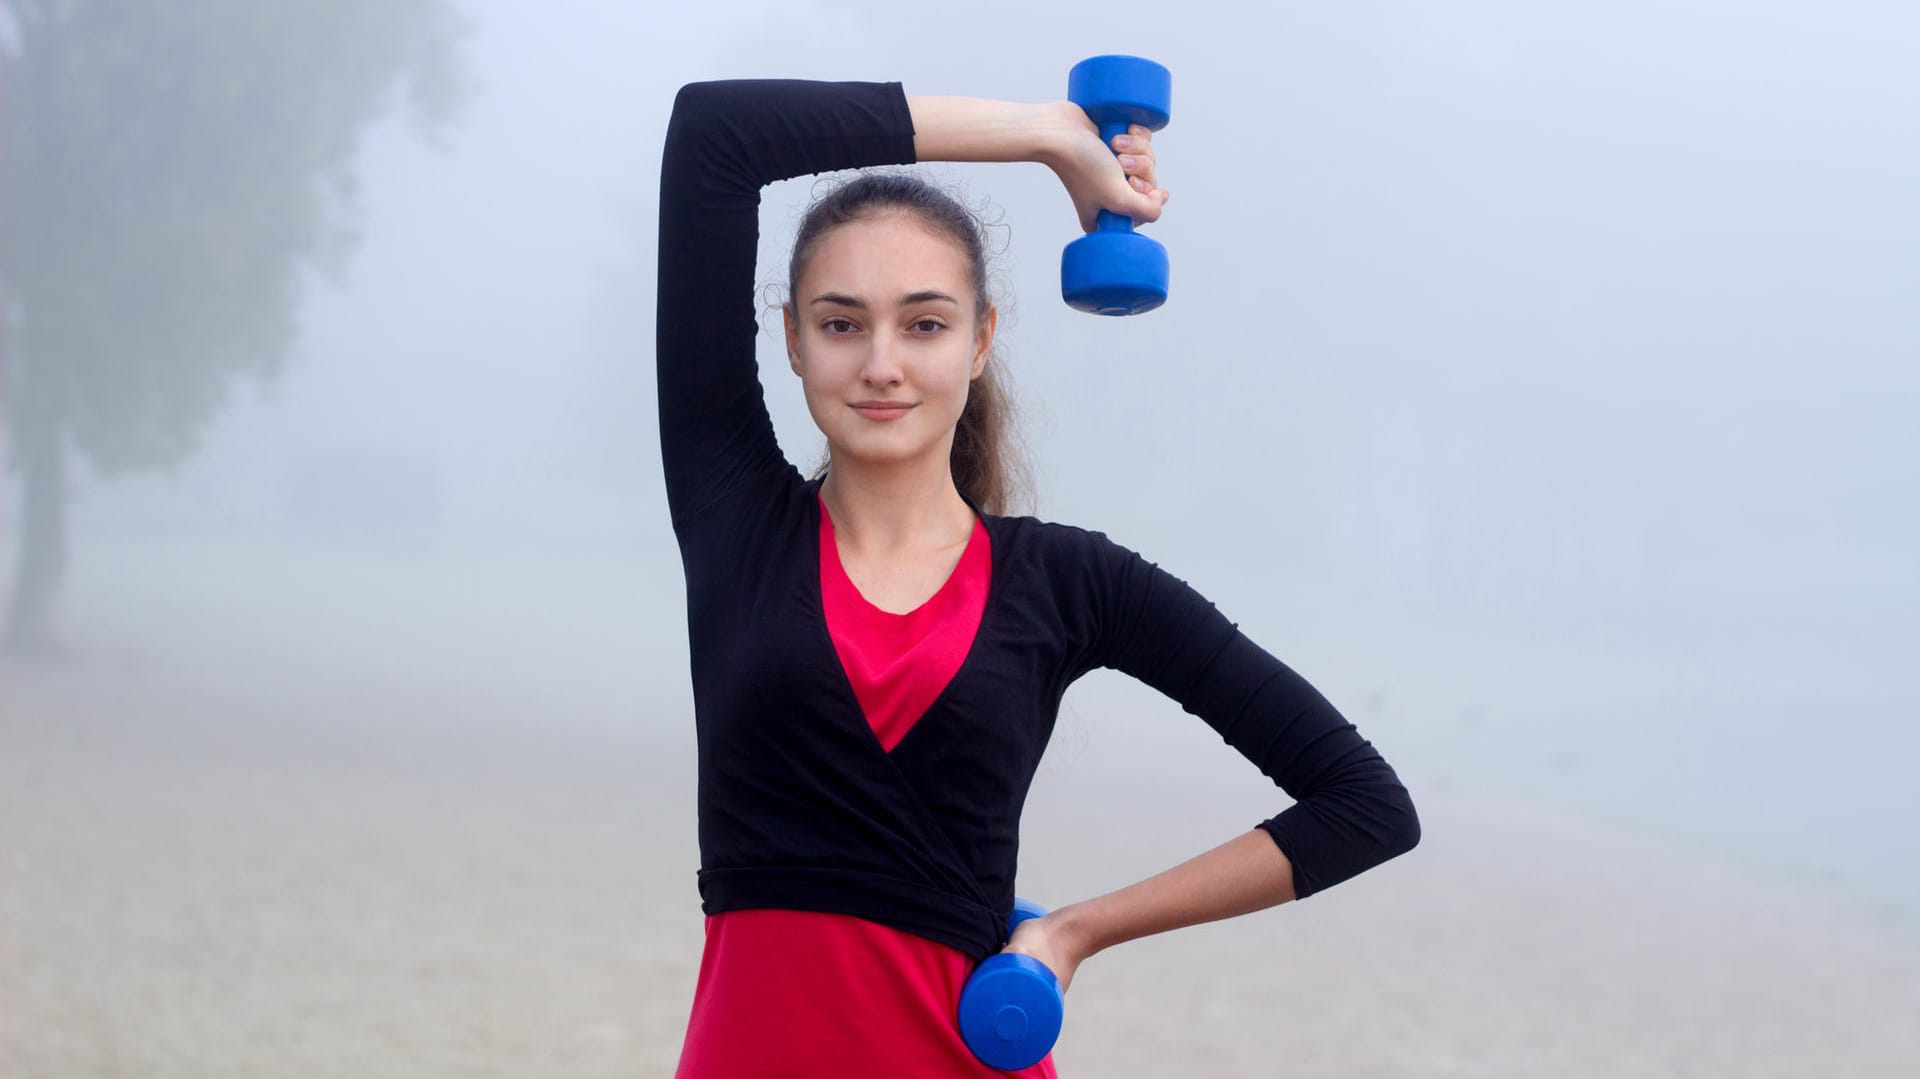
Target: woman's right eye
<point>838,325</point>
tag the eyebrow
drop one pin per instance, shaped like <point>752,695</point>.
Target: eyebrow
<point>925,295</point>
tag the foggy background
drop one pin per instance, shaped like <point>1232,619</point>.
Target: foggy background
<point>1538,380</point>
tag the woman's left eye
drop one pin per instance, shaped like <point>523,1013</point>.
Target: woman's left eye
<point>929,325</point>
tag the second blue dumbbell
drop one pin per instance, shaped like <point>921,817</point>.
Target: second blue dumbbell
<point>1011,1007</point>
<point>1114,270</point>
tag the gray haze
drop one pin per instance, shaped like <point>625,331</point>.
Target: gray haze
<point>1539,380</point>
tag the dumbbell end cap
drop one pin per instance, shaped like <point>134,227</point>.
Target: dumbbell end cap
<point>1011,1011</point>
<point>1122,89</point>
<point>1114,273</point>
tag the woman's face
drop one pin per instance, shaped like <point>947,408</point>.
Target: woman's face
<point>882,333</point>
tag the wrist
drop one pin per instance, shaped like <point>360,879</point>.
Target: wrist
<point>1057,126</point>
<point>1077,928</point>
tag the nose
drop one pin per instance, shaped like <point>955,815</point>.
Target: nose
<point>881,368</point>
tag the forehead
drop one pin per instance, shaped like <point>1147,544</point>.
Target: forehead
<point>885,254</point>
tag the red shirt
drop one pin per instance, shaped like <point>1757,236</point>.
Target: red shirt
<point>802,994</point>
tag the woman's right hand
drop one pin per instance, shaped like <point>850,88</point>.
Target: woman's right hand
<point>1098,180</point>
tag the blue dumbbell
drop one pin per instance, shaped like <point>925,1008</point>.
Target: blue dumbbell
<point>1011,1007</point>
<point>1114,270</point>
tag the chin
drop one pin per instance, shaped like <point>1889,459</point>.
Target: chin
<point>882,447</point>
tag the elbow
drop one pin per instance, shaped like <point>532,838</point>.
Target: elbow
<point>1387,827</point>
<point>720,106</point>
<point>694,109</point>
<point>1385,823</point>
<point>694,99</point>
<point>1379,812</point>
<point>1341,834</point>
<point>706,126</point>
<point>1403,833</point>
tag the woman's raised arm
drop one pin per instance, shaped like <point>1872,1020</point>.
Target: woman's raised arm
<point>724,142</point>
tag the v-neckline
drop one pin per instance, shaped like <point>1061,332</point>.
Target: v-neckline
<point>839,665</point>
<point>975,535</point>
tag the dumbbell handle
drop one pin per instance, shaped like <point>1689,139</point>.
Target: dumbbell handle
<point>1109,221</point>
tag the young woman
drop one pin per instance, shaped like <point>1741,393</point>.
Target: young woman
<point>878,655</point>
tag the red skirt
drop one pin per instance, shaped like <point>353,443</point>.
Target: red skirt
<point>798,995</point>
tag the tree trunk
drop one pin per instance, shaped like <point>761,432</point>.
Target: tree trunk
<point>43,537</point>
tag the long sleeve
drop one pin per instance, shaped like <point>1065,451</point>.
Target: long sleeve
<point>1350,810</point>
<point>724,142</point>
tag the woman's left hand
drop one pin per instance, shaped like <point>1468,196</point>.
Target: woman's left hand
<point>1117,176</point>
<point>1043,938</point>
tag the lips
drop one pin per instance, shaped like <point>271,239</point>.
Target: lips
<point>882,411</point>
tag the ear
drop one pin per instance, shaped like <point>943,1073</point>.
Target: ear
<point>792,328</point>
<point>983,340</point>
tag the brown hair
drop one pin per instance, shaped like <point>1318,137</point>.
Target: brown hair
<point>988,467</point>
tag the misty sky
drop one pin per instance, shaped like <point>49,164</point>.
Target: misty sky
<point>1518,345</point>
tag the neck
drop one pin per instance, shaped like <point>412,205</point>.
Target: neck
<point>899,504</point>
